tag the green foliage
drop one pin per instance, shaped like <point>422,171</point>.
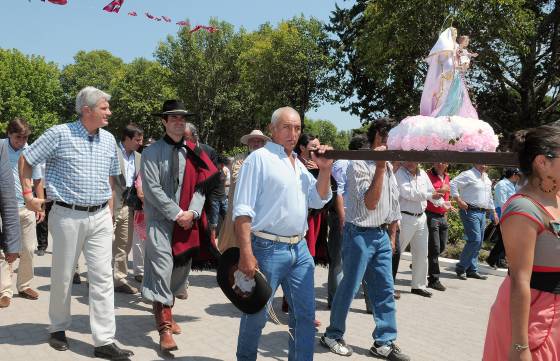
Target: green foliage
<point>381,45</point>
<point>98,68</point>
<point>288,65</point>
<point>327,133</point>
<point>29,88</point>
<point>138,92</point>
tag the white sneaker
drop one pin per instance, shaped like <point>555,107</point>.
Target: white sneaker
<point>389,352</point>
<point>338,347</point>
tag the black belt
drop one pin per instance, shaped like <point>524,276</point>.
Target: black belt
<point>546,281</point>
<point>474,208</point>
<point>413,214</point>
<point>434,214</point>
<point>81,208</point>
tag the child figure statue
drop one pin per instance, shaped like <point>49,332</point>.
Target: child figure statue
<point>463,55</point>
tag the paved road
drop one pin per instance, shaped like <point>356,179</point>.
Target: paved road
<point>448,327</point>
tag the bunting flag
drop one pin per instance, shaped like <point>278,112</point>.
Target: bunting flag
<point>114,6</point>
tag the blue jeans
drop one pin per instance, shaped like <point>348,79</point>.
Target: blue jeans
<point>292,267</point>
<point>473,223</point>
<point>218,208</point>
<point>366,254</point>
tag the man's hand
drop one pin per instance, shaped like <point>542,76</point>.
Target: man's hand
<point>35,204</point>
<point>444,189</point>
<point>40,216</point>
<point>11,257</point>
<point>496,218</point>
<point>462,204</point>
<point>380,163</point>
<point>247,264</point>
<point>436,195</point>
<point>322,162</point>
<point>185,219</point>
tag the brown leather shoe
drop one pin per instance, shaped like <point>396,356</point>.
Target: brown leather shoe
<point>5,301</point>
<point>163,317</point>
<point>126,288</point>
<point>29,294</point>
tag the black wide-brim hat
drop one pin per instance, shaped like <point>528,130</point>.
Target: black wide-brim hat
<point>174,107</point>
<point>257,299</point>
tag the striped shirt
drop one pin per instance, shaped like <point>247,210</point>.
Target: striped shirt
<point>78,164</point>
<point>359,177</point>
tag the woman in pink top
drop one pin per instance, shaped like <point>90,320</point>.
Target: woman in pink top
<point>524,321</point>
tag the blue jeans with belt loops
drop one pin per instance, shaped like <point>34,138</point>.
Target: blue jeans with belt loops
<point>291,266</point>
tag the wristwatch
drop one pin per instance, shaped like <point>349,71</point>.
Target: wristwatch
<point>518,347</point>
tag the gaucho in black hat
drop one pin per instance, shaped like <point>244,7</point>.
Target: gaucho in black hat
<point>176,177</point>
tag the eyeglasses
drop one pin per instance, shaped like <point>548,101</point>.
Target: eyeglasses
<point>551,155</point>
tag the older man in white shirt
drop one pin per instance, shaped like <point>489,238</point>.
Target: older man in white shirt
<point>274,192</point>
<point>472,189</point>
<point>415,189</point>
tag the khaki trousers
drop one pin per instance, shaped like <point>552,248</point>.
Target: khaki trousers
<point>74,232</point>
<point>122,244</point>
<point>28,226</point>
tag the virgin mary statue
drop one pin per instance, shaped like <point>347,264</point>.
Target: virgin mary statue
<point>445,92</point>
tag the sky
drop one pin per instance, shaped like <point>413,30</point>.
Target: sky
<point>58,32</point>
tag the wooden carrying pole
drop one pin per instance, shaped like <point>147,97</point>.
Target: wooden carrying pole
<point>429,156</point>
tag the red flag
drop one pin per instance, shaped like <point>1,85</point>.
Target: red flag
<point>149,16</point>
<point>132,13</point>
<point>183,23</point>
<point>210,29</point>
<point>59,2</point>
<point>195,29</point>
<point>114,6</point>
<point>166,19</point>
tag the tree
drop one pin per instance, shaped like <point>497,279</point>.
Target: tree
<point>514,81</point>
<point>29,88</point>
<point>98,68</point>
<point>139,91</point>
<point>289,65</point>
<point>205,70</point>
<point>327,133</point>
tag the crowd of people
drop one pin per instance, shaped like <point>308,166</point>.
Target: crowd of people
<point>178,204</point>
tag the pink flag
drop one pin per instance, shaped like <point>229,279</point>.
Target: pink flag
<point>182,23</point>
<point>132,13</point>
<point>166,19</point>
<point>149,16</point>
<point>59,2</point>
<point>210,29</point>
<point>114,6</point>
<point>157,19</point>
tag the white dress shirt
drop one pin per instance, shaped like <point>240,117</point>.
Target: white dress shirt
<point>129,166</point>
<point>474,188</point>
<point>275,194</point>
<point>415,191</point>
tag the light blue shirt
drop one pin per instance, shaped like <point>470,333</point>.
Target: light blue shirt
<point>339,174</point>
<point>274,194</point>
<point>474,188</point>
<point>502,191</point>
<point>78,164</point>
<point>14,157</point>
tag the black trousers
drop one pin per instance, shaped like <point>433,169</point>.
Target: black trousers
<point>437,239</point>
<point>43,230</point>
<point>498,251</point>
<point>396,256</point>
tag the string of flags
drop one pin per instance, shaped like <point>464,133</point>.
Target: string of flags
<point>115,6</point>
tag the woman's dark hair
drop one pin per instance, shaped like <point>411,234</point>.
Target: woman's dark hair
<point>380,126</point>
<point>543,140</point>
<point>303,140</point>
